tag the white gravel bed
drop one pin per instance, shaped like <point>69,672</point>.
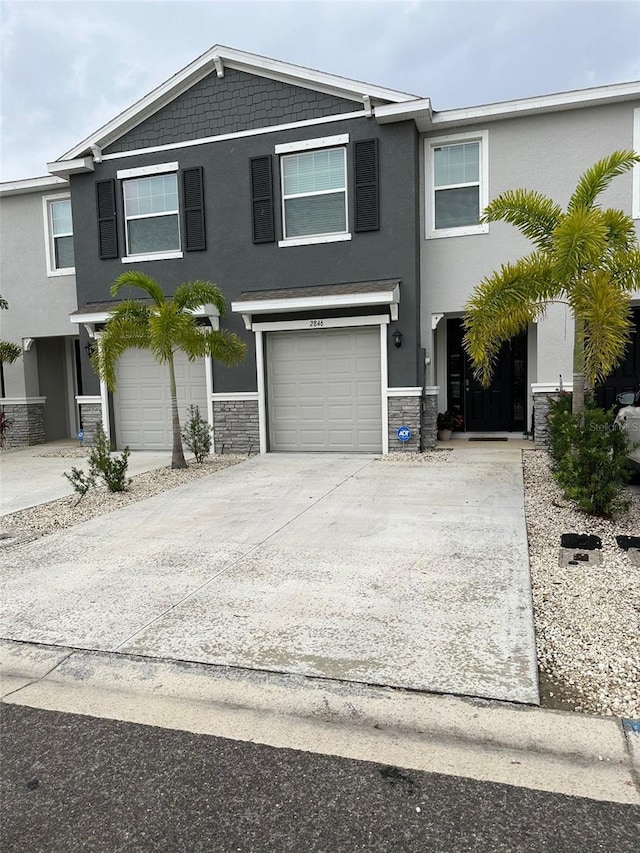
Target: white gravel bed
<point>29,524</point>
<point>587,617</point>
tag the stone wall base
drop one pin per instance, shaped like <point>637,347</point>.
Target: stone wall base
<point>429,421</point>
<point>90,415</point>
<point>235,426</point>
<point>26,424</point>
<point>404,411</point>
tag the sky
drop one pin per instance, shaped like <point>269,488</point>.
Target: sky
<point>68,67</point>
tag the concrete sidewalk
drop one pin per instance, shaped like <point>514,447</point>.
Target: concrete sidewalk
<point>569,753</point>
<point>403,574</point>
<point>34,475</point>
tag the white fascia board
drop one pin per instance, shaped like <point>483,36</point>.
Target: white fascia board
<point>419,110</point>
<point>141,171</point>
<point>71,167</point>
<point>309,144</point>
<point>29,185</point>
<point>320,324</point>
<point>312,303</point>
<point>241,61</point>
<point>79,318</point>
<point>541,104</point>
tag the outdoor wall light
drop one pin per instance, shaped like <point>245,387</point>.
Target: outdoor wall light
<point>397,338</point>
<point>90,347</point>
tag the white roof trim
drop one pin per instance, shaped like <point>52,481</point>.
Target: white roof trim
<point>80,318</point>
<point>240,60</point>
<point>29,185</point>
<point>71,167</point>
<point>310,303</point>
<point>419,110</point>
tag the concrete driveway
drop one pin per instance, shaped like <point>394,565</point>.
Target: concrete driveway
<point>342,566</point>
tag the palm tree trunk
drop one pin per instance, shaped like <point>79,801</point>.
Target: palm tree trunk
<point>177,455</point>
<point>577,405</point>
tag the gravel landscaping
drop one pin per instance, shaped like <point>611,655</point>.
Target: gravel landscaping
<point>587,616</point>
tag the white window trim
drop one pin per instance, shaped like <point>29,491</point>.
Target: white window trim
<point>310,144</point>
<point>145,172</point>
<point>481,136</point>
<point>48,236</point>
<point>635,207</point>
<point>310,239</point>
<point>158,256</point>
<point>316,240</point>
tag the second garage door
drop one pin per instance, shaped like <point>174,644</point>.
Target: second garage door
<point>142,401</point>
<point>323,389</point>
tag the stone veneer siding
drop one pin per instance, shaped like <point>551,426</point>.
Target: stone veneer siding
<point>90,414</point>
<point>429,421</point>
<point>235,426</point>
<point>26,424</point>
<point>404,411</point>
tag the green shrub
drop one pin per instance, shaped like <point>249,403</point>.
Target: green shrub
<point>80,481</point>
<point>560,425</point>
<point>112,469</point>
<point>196,434</point>
<point>590,459</point>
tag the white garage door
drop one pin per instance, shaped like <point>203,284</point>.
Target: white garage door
<point>323,389</point>
<point>142,400</point>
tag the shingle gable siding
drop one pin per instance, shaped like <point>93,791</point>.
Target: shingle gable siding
<point>230,104</point>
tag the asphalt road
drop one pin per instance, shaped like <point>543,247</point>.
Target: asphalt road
<point>72,783</point>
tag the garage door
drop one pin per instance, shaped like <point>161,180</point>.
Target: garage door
<point>142,401</point>
<point>323,390</point>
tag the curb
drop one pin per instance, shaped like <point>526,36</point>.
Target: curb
<point>586,756</point>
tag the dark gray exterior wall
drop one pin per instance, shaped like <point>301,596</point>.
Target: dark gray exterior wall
<point>236,102</point>
<point>233,262</point>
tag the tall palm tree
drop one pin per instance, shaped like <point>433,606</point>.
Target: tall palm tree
<point>586,257</point>
<point>164,326</point>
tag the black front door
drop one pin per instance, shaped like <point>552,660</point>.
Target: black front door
<point>502,406</point>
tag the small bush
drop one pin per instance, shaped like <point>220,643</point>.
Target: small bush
<point>80,481</point>
<point>560,428</point>
<point>590,459</point>
<point>196,434</point>
<point>112,469</point>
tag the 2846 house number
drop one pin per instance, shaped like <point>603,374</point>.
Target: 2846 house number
<point>316,324</point>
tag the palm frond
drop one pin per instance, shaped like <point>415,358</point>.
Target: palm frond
<point>597,178</point>
<point>225,346</point>
<point>193,294</point>
<point>503,305</point>
<point>579,242</point>
<point>535,215</point>
<point>606,316</point>
<point>621,232</point>
<point>123,331</point>
<point>9,352</point>
<point>135,278</point>
<point>166,327</point>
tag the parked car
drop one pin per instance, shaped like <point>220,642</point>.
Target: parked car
<point>628,419</point>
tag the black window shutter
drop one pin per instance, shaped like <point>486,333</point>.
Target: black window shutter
<point>365,154</point>
<point>263,230</point>
<point>195,238</point>
<point>107,227</point>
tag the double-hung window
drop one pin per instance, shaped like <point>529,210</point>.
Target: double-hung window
<point>59,224</point>
<point>151,211</point>
<point>314,191</point>
<point>457,184</point>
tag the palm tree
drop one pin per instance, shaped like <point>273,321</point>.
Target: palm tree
<point>585,257</point>
<point>164,326</point>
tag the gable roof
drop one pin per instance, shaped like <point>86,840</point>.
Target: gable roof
<point>216,59</point>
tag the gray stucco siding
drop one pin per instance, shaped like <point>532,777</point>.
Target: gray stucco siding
<point>236,102</point>
<point>236,264</point>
